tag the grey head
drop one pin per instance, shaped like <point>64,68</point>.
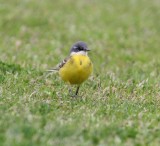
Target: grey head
<point>79,48</point>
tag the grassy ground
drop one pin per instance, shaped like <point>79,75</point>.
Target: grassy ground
<point>120,103</point>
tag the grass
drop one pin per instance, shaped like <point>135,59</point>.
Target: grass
<point>120,102</point>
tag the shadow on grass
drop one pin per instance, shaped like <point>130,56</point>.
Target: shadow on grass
<point>11,68</point>
<point>8,68</point>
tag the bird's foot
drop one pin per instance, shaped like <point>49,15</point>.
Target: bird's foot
<point>73,95</point>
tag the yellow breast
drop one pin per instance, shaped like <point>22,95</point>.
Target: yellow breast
<point>77,69</point>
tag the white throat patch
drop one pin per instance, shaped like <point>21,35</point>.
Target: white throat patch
<point>79,53</point>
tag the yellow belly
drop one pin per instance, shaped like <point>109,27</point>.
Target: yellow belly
<point>76,70</point>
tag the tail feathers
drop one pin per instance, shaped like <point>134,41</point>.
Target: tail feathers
<point>59,65</point>
<point>52,70</point>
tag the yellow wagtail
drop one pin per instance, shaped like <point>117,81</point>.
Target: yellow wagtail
<point>76,68</point>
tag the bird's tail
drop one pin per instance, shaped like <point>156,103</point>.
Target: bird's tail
<point>52,70</point>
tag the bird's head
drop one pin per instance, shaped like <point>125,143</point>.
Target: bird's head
<point>79,48</point>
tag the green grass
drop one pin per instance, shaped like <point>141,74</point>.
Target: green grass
<point>120,103</point>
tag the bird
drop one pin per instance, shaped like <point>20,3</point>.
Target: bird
<point>77,67</point>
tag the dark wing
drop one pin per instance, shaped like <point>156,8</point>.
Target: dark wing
<point>63,63</point>
<point>60,65</point>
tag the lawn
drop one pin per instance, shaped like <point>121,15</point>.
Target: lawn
<point>119,105</point>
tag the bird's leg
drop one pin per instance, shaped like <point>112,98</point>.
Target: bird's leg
<point>77,90</point>
<point>70,90</point>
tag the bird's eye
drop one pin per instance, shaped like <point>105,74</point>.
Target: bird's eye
<point>80,48</point>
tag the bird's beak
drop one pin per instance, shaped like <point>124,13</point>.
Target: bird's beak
<point>87,49</point>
